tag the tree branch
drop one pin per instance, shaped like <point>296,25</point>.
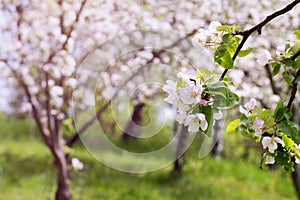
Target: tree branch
<point>295,56</point>
<point>273,86</point>
<point>247,33</point>
<point>295,84</point>
<point>73,139</point>
<point>44,132</point>
<point>294,91</point>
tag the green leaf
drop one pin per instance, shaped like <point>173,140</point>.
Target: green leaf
<point>288,62</point>
<point>221,50</point>
<point>244,53</point>
<point>288,77</point>
<point>228,102</point>
<point>232,126</point>
<point>276,68</point>
<point>223,57</point>
<point>216,93</point>
<point>281,114</point>
<point>296,63</point>
<point>279,105</point>
<point>297,79</point>
<point>223,28</point>
<point>282,158</point>
<point>289,129</point>
<point>289,167</point>
<point>212,84</point>
<point>223,97</point>
<point>266,116</point>
<point>232,45</point>
<point>288,142</point>
<point>207,111</point>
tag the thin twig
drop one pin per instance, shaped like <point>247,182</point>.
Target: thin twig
<point>294,91</point>
<point>273,86</point>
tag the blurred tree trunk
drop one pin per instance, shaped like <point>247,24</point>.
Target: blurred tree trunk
<point>217,138</point>
<point>133,126</point>
<point>62,164</point>
<point>63,176</point>
<point>296,180</point>
<point>182,139</point>
<point>296,174</point>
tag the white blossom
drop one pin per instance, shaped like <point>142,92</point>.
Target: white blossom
<point>248,107</point>
<point>213,26</point>
<point>56,91</point>
<point>199,40</point>
<point>271,143</point>
<point>185,78</point>
<point>264,57</point>
<point>258,125</point>
<point>170,88</point>
<point>196,121</point>
<point>251,104</point>
<point>77,164</point>
<point>269,160</point>
<point>191,93</point>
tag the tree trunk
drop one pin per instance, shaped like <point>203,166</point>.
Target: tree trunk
<point>296,180</point>
<point>217,138</point>
<point>62,165</point>
<point>63,177</point>
<point>133,127</point>
<point>182,138</point>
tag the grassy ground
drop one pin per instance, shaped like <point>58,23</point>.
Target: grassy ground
<point>26,173</point>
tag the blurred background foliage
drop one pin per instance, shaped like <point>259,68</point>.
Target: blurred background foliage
<point>26,171</point>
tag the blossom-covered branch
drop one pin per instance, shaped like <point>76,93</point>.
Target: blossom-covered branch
<point>247,33</point>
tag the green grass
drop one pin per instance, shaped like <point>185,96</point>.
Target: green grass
<point>26,173</point>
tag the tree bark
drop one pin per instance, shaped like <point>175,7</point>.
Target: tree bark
<point>63,177</point>
<point>182,138</point>
<point>133,127</point>
<point>62,164</point>
<point>296,180</point>
<point>217,139</point>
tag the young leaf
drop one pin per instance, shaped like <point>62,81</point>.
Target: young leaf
<point>288,77</point>
<point>232,126</point>
<point>296,63</point>
<point>244,53</point>
<point>228,102</point>
<point>223,57</point>
<point>223,28</point>
<point>288,142</point>
<point>276,68</point>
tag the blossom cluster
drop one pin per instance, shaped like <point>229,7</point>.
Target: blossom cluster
<point>266,127</point>
<point>189,96</point>
<point>208,37</point>
<point>282,53</point>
